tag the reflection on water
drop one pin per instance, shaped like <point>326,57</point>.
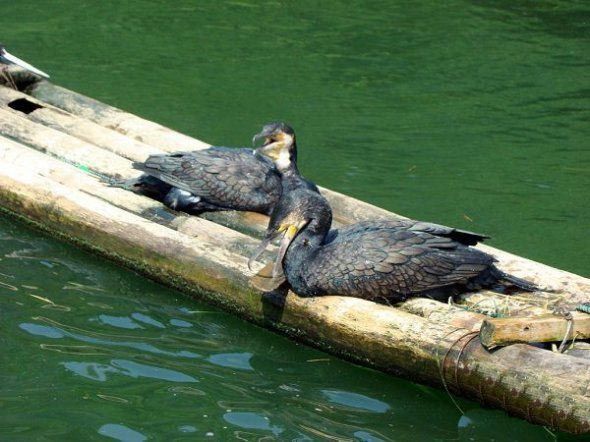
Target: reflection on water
<point>472,114</point>
<point>357,401</point>
<point>121,432</point>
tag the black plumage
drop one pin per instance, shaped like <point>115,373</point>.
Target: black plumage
<point>390,259</point>
<point>217,178</point>
<point>220,178</point>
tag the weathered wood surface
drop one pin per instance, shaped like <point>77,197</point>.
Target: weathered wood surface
<point>429,341</point>
<point>79,127</point>
<point>497,332</point>
<point>116,119</point>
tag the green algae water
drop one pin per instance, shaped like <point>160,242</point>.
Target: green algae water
<point>473,114</point>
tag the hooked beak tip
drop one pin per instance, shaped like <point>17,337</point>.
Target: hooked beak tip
<point>256,138</point>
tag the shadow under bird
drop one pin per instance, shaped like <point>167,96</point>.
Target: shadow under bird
<point>385,259</point>
<point>221,178</point>
<point>7,58</point>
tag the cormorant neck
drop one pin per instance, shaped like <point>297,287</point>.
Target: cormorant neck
<point>318,212</point>
<point>289,169</point>
<point>302,252</point>
<point>286,163</point>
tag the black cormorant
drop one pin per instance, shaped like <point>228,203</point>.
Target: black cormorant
<point>8,58</point>
<point>221,178</point>
<point>378,259</point>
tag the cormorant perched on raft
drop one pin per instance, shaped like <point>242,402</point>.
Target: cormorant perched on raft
<point>221,178</point>
<point>7,58</point>
<point>378,259</point>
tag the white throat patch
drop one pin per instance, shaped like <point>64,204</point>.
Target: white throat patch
<point>284,160</point>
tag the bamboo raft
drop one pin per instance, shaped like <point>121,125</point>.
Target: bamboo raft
<point>56,147</point>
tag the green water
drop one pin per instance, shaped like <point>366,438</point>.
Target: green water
<point>473,114</point>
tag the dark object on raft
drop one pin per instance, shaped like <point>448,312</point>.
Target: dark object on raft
<point>220,178</point>
<point>388,259</point>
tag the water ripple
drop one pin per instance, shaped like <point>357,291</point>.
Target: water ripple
<point>98,339</point>
<point>240,361</point>
<point>98,372</point>
<point>121,433</point>
<point>354,400</point>
<point>251,420</point>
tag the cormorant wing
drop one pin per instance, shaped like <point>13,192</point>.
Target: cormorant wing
<point>385,261</point>
<point>221,175</point>
<point>462,236</point>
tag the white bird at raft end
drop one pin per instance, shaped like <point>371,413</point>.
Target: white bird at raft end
<point>7,58</point>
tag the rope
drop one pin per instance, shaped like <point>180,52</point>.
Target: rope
<point>570,325</point>
<point>441,363</point>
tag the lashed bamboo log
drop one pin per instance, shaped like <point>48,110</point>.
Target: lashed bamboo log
<point>112,118</point>
<point>23,128</point>
<point>346,209</point>
<point>497,332</point>
<point>76,126</point>
<point>17,126</point>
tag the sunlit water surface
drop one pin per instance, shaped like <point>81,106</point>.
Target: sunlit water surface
<point>473,114</point>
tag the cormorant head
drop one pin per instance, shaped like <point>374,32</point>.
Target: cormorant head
<point>279,144</point>
<point>302,211</point>
<point>7,58</point>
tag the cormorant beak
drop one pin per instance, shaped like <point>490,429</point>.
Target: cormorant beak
<point>289,231</point>
<point>8,58</point>
<point>261,248</point>
<point>264,134</point>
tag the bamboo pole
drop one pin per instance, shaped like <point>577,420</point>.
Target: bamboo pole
<point>20,127</point>
<point>498,332</point>
<point>540,386</point>
<point>346,209</point>
<point>77,127</point>
<point>107,116</point>
<point>14,125</point>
